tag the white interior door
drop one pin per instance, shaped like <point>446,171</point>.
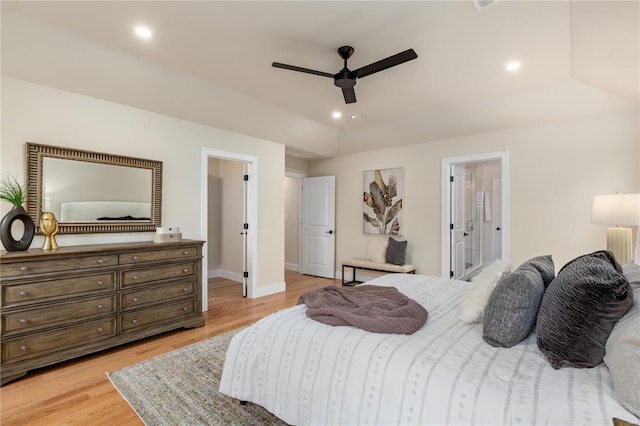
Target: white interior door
<point>457,225</point>
<point>318,226</point>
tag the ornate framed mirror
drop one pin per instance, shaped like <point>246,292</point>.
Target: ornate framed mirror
<point>93,192</point>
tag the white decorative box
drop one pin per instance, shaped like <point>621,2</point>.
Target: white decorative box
<point>167,238</point>
<point>168,230</point>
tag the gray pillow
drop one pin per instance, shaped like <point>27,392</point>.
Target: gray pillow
<point>631,272</point>
<point>580,308</point>
<point>544,265</point>
<point>396,251</point>
<point>513,306</point>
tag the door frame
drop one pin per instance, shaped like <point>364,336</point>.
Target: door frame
<point>251,163</point>
<point>298,177</point>
<point>503,157</point>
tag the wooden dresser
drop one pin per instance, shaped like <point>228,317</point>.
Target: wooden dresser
<point>79,300</point>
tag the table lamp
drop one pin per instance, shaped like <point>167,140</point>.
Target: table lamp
<point>618,209</point>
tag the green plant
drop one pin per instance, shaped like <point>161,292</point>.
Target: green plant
<point>12,191</point>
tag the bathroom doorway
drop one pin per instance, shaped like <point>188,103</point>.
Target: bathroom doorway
<point>475,213</point>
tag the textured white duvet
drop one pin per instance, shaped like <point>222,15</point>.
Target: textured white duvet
<point>306,372</point>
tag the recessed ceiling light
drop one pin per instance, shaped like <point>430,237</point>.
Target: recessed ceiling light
<point>143,32</point>
<point>336,114</point>
<point>356,117</point>
<point>513,66</point>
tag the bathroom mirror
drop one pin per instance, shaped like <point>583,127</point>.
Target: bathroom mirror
<point>92,192</point>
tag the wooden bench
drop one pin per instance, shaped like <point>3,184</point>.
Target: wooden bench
<point>373,266</point>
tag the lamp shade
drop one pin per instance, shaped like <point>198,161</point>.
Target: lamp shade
<point>617,209</point>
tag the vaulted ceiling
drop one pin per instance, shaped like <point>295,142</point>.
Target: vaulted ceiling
<point>210,62</point>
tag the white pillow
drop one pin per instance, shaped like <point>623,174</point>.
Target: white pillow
<point>377,250</point>
<point>479,290</point>
<point>622,357</point>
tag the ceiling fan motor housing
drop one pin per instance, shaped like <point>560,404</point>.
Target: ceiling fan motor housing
<point>345,78</point>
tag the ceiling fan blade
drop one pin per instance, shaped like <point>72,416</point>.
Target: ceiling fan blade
<point>300,69</point>
<point>389,62</point>
<point>349,95</point>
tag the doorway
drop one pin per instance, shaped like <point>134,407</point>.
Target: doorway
<point>475,229</point>
<point>235,216</point>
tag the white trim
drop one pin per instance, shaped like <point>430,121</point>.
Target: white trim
<point>252,209</point>
<point>295,175</point>
<point>221,273</point>
<point>292,267</point>
<point>265,290</point>
<point>503,156</point>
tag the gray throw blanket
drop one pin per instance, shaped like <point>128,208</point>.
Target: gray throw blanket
<point>373,308</point>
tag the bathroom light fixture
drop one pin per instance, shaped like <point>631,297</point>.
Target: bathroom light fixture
<point>618,209</point>
<point>143,32</point>
<point>512,66</point>
<point>336,114</point>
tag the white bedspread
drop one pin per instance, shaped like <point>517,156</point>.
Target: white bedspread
<point>306,372</point>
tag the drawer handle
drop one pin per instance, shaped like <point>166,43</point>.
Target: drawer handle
<point>23,348</point>
<point>100,283</point>
<point>24,268</point>
<point>186,309</point>
<point>100,330</point>
<point>136,258</point>
<point>100,306</point>
<point>135,321</point>
<point>100,261</point>
<point>23,321</point>
<point>135,278</point>
<point>185,270</point>
<point>186,290</point>
<point>24,294</point>
<point>186,252</point>
<point>135,299</point>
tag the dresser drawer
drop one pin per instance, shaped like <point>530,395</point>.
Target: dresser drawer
<point>36,267</point>
<point>58,313</point>
<point>15,294</point>
<point>150,256</point>
<point>136,299</point>
<point>159,273</point>
<point>133,320</point>
<point>44,342</point>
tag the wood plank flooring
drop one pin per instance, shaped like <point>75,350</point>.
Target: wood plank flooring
<point>78,391</point>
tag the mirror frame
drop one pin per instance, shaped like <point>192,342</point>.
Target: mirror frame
<point>35,153</point>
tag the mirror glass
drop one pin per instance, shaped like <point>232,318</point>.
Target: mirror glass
<point>93,192</point>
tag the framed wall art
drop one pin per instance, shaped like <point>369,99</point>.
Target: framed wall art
<point>383,195</point>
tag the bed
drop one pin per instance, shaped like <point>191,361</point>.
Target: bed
<point>306,372</point>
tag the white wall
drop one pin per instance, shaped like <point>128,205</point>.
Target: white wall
<point>556,169</point>
<point>292,222</point>
<point>40,114</point>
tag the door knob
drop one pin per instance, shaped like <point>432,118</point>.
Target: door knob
<point>498,228</point>
<point>464,234</point>
<point>329,232</point>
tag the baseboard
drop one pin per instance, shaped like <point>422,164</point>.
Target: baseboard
<point>292,267</point>
<point>265,290</point>
<point>221,273</point>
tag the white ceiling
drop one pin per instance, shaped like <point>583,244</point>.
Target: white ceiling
<point>578,58</point>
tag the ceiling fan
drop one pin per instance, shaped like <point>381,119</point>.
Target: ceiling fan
<point>345,78</point>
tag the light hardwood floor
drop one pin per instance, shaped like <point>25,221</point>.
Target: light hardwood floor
<point>78,391</point>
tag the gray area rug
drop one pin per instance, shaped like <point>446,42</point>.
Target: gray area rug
<point>181,388</point>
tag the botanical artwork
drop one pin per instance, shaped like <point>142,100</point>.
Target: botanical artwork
<point>383,192</point>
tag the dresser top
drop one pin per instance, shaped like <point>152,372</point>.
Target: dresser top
<point>38,253</point>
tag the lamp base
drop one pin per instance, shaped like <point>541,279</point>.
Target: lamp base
<point>619,243</point>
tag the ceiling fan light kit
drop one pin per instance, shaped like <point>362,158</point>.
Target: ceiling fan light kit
<point>345,78</point>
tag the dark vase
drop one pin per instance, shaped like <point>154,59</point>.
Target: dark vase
<point>10,244</point>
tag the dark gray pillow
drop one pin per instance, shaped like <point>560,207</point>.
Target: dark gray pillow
<point>396,251</point>
<point>631,272</point>
<point>513,306</point>
<point>580,308</point>
<point>544,265</point>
